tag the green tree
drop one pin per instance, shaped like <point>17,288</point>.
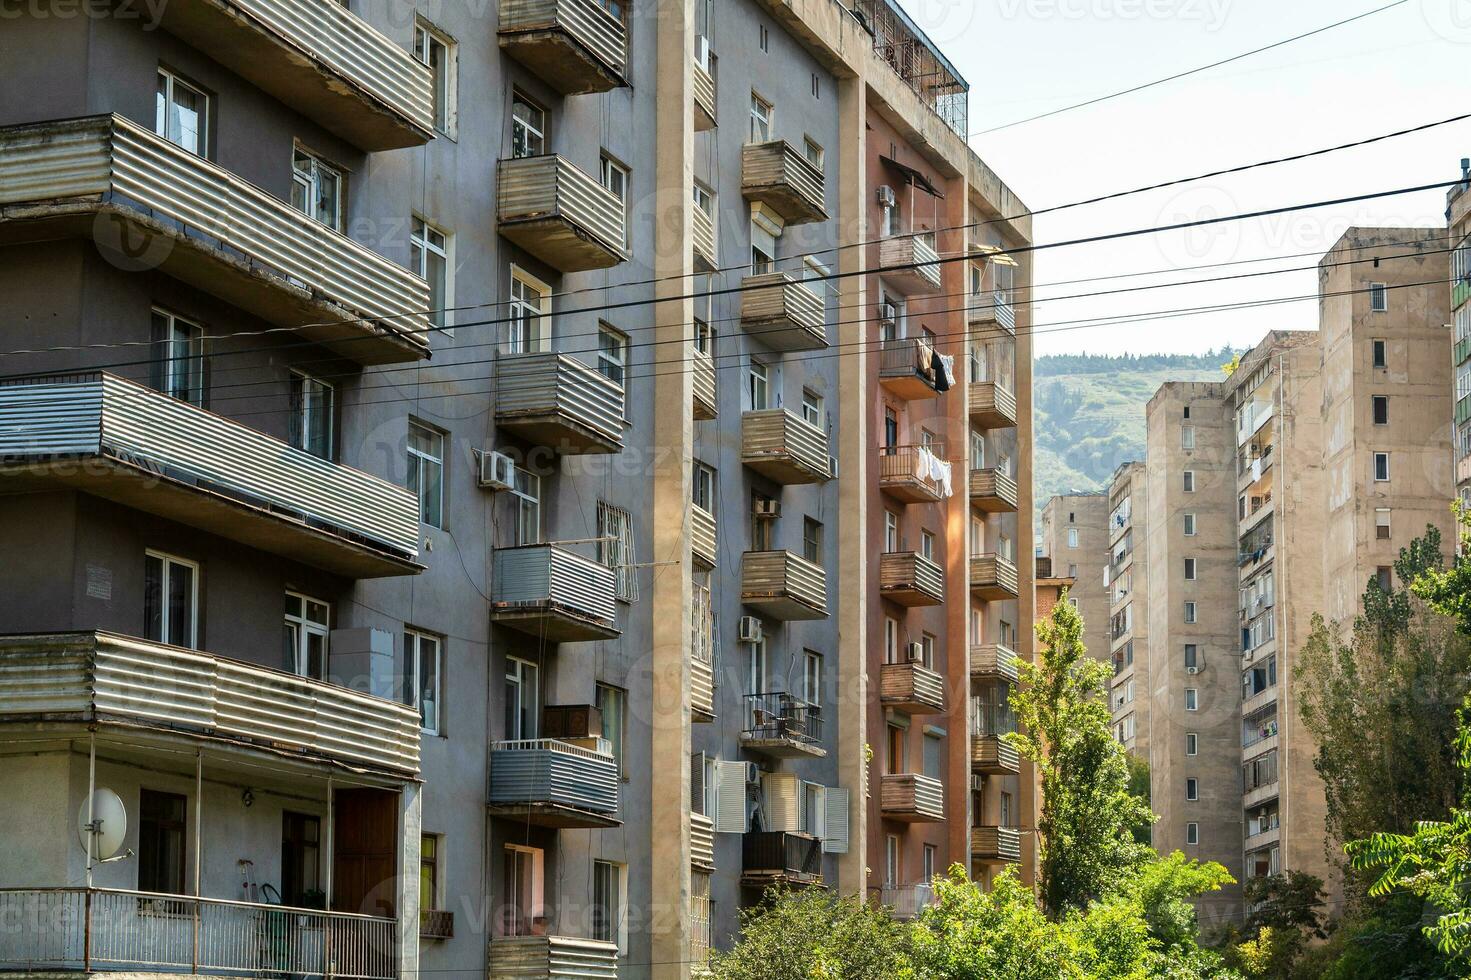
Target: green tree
<point>1139,788</point>
<point>814,934</point>
<point>1088,816</point>
<point>1284,912</point>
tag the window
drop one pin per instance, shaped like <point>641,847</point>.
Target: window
<point>1185,412</point>
<point>1192,699</point>
<point>1189,569</point>
<point>1189,611</point>
<point>438,52</point>
<point>761,524</point>
<point>614,176</point>
<point>161,833</point>
<point>811,407</point>
<point>1072,537</point>
<point>304,642</point>
<point>816,86</point>
<point>612,705</point>
<point>419,682</point>
<point>760,118</point>
<point>763,37</point>
<point>1381,409</point>
<point>428,872</point>
<point>170,600</point>
<point>1192,743</point>
<point>1192,833</point>
<point>1192,656</point>
<point>301,860</point>
<point>891,531</point>
<point>891,860</point>
<point>527,491</point>
<point>1378,297</point>
<point>1190,525</point>
<point>891,640</point>
<point>1187,437</point>
<point>1378,348</point>
<point>1189,476</point>
<point>756,668</point>
<point>181,113</point>
<point>426,472</point>
<point>891,429</point>
<point>758,391</point>
<point>813,148</point>
<point>931,859</point>
<point>313,414</point>
<point>1381,523</point>
<point>523,874</point>
<point>702,487</point>
<point>812,540</point>
<point>927,651</point>
<point>607,903</point>
<point>895,754</point>
<point>615,549</point>
<point>316,188</point>
<point>812,677</point>
<point>1381,467</point>
<point>612,354</point>
<point>1192,789</point>
<point>1004,811</point>
<point>525,309</point>
<point>523,698</point>
<point>528,128</point>
<point>763,248</point>
<point>429,257</point>
<point>1382,575</point>
<point>178,367</point>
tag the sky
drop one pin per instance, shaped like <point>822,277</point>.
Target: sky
<point>1398,68</point>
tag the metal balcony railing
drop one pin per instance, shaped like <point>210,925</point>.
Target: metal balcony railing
<point>553,593</point>
<point>993,661</point>
<point>557,401</point>
<point>781,717</point>
<point>911,579</point>
<point>906,367</point>
<point>915,474</point>
<point>776,174</point>
<point>1001,845</point>
<point>784,447</point>
<point>911,687</point>
<point>993,577</point>
<point>560,214</point>
<point>555,782</point>
<point>575,46</point>
<point>783,312</point>
<point>993,491</point>
<point>911,797</point>
<point>992,406</point>
<point>910,263</point>
<point>703,406</point>
<point>783,586</point>
<point>796,858</point>
<point>551,957</point>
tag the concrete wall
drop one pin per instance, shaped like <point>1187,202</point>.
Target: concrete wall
<point>1082,517</point>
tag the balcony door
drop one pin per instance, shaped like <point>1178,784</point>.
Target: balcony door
<point>364,853</point>
<point>529,306</point>
<point>523,700</point>
<point>304,638</point>
<point>522,891</point>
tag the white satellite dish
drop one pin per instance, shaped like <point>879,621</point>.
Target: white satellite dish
<point>109,824</point>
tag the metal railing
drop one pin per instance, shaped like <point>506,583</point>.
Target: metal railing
<point>113,929</point>
<point>909,464</point>
<point>782,716</point>
<point>776,851</point>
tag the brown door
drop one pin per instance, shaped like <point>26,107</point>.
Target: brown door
<point>364,851</point>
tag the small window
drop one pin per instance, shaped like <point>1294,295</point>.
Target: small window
<point>1192,833</point>
<point>1192,656</point>
<point>814,151</point>
<point>429,876</point>
<point>1186,412</point>
<point>178,366</point>
<point>1190,611</point>
<point>811,407</point>
<point>812,677</point>
<point>1192,788</point>
<point>1378,297</point>
<point>1189,525</point>
<point>758,386</point>
<point>614,176</point>
<point>891,532</point>
<point>702,487</point>
<point>316,188</point>
<point>816,86</point>
<point>812,540</point>
<point>612,705</point>
<point>426,472</point>
<point>1192,743</point>
<point>437,51</point>
<point>1381,409</point>
<point>429,257</point>
<point>1072,537</point>
<point>760,115</point>
<point>1384,576</point>
<point>1189,569</point>
<point>1187,437</point>
<point>170,600</point>
<point>1381,467</point>
<point>763,37</point>
<point>528,128</point>
<point>927,544</point>
<point>181,113</point>
<point>1189,481</point>
<point>1380,358</point>
<point>615,549</point>
<point>608,920</point>
<point>1381,523</point>
<point>419,682</point>
<point>1192,699</point>
<point>308,622</point>
<point>613,354</point>
<point>313,407</point>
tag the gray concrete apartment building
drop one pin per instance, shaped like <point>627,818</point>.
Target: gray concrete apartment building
<point>436,474</point>
<point>1074,536</point>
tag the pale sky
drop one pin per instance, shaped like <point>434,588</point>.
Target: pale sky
<point>1399,68</point>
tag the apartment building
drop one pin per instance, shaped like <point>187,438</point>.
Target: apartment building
<point>1458,225</point>
<point>1126,583</point>
<point>1074,537</point>
<point>375,417</point>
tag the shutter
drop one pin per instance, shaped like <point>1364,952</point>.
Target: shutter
<point>730,797</point>
<point>628,572</point>
<point>781,802</point>
<point>697,783</point>
<point>835,820</point>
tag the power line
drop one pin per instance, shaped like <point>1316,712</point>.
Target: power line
<point>1192,71</point>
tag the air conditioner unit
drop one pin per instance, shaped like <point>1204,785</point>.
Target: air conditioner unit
<point>497,471</point>
<point>753,773</point>
<point>888,313</point>
<point>768,508</point>
<point>886,196</point>
<point>915,652</point>
<point>750,630</point>
<point>1192,670</point>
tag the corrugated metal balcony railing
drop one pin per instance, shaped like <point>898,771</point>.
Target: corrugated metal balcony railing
<point>990,754</point>
<point>992,577</point>
<point>776,174</point>
<point>702,234</point>
<point>912,797</point>
<point>704,406</point>
<point>557,401</point>
<point>782,312</point>
<point>559,214</point>
<point>555,783</point>
<point>575,46</point>
<point>914,474</point>
<point>553,594</point>
<point>992,406</point>
<point>778,857</point>
<point>784,447</point>
<point>702,842</point>
<point>104,678</point>
<point>906,367</point>
<point>782,726</point>
<point>911,579</point>
<point>910,263</point>
<point>209,228</point>
<point>320,59</point>
<point>782,585</point>
<point>912,688</point>
<point>993,661</point>
<point>551,958</point>
<point>117,439</point>
<point>996,845</point>
<point>992,309</point>
<point>106,930</point>
<point>702,536</point>
<point>993,491</point>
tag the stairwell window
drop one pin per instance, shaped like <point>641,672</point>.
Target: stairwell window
<point>1192,656</point>
<point>1192,743</point>
<point>1192,789</point>
<point>181,113</point>
<point>1381,467</point>
<point>1189,520</point>
<point>1378,349</point>
<point>1187,437</point>
<point>305,634</point>
<point>437,50</point>
<point>1378,297</point>
<point>429,250</point>
<point>313,414</point>
<point>1381,523</point>
<point>426,472</point>
<point>1189,481</point>
<point>1192,833</point>
<point>1189,569</point>
<point>1072,537</point>
<point>1381,409</point>
<point>1192,699</point>
<point>178,367</point>
<point>316,188</point>
<point>171,600</point>
<point>528,128</point>
<point>1190,612</point>
<point>419,681</point>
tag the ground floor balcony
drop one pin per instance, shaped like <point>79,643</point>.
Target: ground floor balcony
<point>993,491</point>
<point>912,688</point>
<point>993,578</point>
<point>776,857</point>
<point>993,756</point>
<point>993,662</point>
<point>124,442</point>
<point>784,447</point>
<point>782,726</point>
<point>556,401</point>
<point>911,579</point>
<point>107,930</point>
<point>551,958</point>
<point>550,782</point>
<point>907,901</point>
<point>996,845</point>
<point>784,586</point>
<point>992,406</point>
<point>553,594</point>
<point>912,798</point>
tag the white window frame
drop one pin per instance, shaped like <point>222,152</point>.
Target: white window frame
<point>1381,457</point>
<point>762,115</point>
<point>758,381</point>
<point>526,489</point>
<point>812,408</point>
<point>421,460</point>
<point>615,178</point>
<point>614,549</point>
<point>1072,537</point>
<point>308,172</point>
<point>1192,699</point>
<point>1192,789</point>
<point>1189,522</point>
<point>304,627</point>
<point>180,376</point>
<point>1191,611</point>
<point>168,561</point>
<point>1192,833</point>
<point>613,354</point>
<point>309,416</point>
<point>445,77</point>
<point>812,677</point>
<point>1187,437</point>
<point>528,314</point>
<point>528,128</point>
<point>616,919</point>
<point>525,678</point>
<point>428,243</point>
<point>1192,743</point>
<point>165,119</point>
<point>1188,481</point>
<point>413,678</point>
<point>1378,297</point>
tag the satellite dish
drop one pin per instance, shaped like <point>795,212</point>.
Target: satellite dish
<point>109,826</point>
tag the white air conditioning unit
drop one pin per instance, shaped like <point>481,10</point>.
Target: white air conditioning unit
<point>886,196</point>
<point>753,774</point>
<point>915,652</point>
<point>1192,670</point>
<point>766,509</point>
<point>750,630</point>
<point>497,471</point>
<point>888,313</point>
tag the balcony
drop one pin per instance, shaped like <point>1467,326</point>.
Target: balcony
<point>993,491</point>
<point>915,474</point>
<point>992,577</point>
<point>702,536</point>
<point>97,678</point>
<point>782,726</point>
<point>910,579</point>
<point>912,688</point>
<point>783,447</point>
<point>906,368</point>
<point>782,312</point>
<point>113,438</point>
<point>702,842</point>
<point>912,798</point>
<point>996,845</point>
<point>553,594</point>
<point>910,264</point>
<point>777,175</point>
<point>321,60</point>
<point>907,901</point>
<point>703,406</point>
<point>71,930</point>
<point>575,46</point>
<point>702,238</point>
<point>702,80</point>
<point>774,857</point>
<point>549,782</point>
<point>104,179</point>
<point>993,662</point>
<point>559,214</point>
<point>1463,469</point>
<point>991,310</point>
<point>990,754</point>
<point>784,586</point>
<point>992,406</point>
<point>555,401</point>
<point>551,958</point>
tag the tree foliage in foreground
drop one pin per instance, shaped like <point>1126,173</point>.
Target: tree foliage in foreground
<point>814,934</point>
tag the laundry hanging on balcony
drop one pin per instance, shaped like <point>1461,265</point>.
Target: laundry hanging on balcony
<point>933,469</point>
<point>943,366</point>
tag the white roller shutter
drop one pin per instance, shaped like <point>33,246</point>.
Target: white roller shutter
<point>730,803</point>
<point>835,822</point>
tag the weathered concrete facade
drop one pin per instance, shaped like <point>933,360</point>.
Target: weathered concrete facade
<point>1075,537</point>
